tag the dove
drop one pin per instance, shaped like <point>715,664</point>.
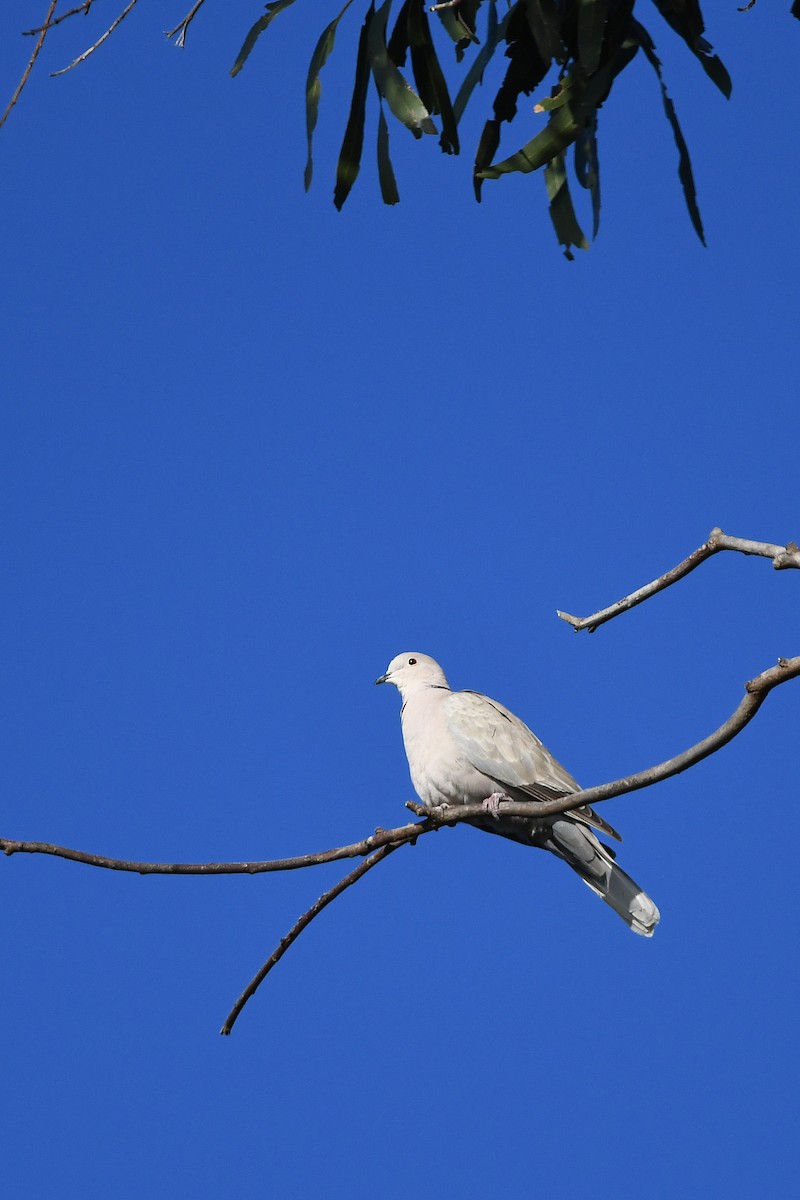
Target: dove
<point>464,748</point>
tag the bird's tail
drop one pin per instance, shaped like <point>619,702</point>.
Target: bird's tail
<point>579,847</point>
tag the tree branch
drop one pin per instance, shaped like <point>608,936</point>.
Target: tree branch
<point>381,837</point>
<point>782,557</point>
<point>182,28</point>
<point>49,23</point>
<point>32,60</point>
<point>82,57</point>
<point>298,928</point>
<point>756,691</point>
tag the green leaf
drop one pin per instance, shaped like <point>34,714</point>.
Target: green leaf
<point>399,95</point>
<point>397,45</point>
<point>459,31</point>
<point>429,77</point>
<point>592,18</point>
<point>543,20</point>
<point>349,162</point>
<point>386,177</point>
<point>684,162</point>
<point>587,168</point>
<point>277,6</point>
<point>562,94</point>
<point>526,68</point>
<point>567,121</point>
<point>487,148</point>
<point>562,213</point>
<point>495,31</point>
<point>314,87</point>
<point>685,17</point>
<point>796,9</point>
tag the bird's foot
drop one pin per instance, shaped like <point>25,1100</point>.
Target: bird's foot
<point>492,803</point>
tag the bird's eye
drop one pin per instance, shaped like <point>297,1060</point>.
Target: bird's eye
<point>411,662</point>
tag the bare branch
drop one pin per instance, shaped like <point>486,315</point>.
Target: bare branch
<point>32,60</point>
<point>384,841</point>
<point>381,837</point>
<point>82,57</point>
<point>298,928</point>
<point>182,27</point>
<point>81,8</point>
<point>756,691</point>
<point>782,557</point>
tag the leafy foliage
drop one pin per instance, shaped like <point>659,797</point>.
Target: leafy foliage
<point>576,47</point>
<point>582,45</point>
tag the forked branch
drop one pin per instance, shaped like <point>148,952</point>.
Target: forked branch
<point>782,557</point>
<point>182,28</point>
<point>299,926</point>
<point>383,842</point>
<point>756,691</point>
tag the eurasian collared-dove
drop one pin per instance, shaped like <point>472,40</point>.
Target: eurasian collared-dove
<point>464,748</point>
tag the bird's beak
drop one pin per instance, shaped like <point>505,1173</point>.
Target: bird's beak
<point>382,679</point>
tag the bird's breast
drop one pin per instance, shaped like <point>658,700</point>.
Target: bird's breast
<point>439,771</point>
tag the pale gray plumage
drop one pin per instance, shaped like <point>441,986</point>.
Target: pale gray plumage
<point>464,748</point>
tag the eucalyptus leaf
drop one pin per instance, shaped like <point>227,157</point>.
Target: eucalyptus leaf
<point>487,148</point>
<point>587,167</point>
<point>685,173</point>
<point>567,121</point>
<point>684,162</point>
<point>461,34</point>
<point>386,176</point>
<point>429,76</point>
<point>543,19</point>
<point>349,163</point>
<point>592,18</point>
<point>314,87</point>
<point>398,94</point>
<point>562,212</point>
<point>685,17</point>
<point>397,44</point>
<point>273,9</point>
<point>495,32</point>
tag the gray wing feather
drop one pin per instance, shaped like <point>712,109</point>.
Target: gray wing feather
<point>502,747</point>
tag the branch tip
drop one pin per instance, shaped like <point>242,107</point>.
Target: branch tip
<point>782,557</point>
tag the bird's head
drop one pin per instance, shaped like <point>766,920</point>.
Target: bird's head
<point>413,670</point>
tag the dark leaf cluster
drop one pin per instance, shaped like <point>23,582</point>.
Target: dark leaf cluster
<point>570,52</point>
<point>573,49</point>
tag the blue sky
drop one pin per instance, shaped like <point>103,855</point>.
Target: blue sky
<point>251,449</point>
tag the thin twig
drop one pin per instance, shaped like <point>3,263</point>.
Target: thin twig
<point>182,27</point>
<point>29,68</point>
<point>381,837</point>
<point>298,928</point>
<point>782,557</point>
<point>82,57</point>
<point>81,8</point>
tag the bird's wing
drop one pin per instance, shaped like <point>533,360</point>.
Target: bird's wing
<point>501,746</point>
